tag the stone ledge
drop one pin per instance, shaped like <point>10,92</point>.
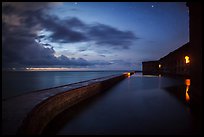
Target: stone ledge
<point>30,113</point>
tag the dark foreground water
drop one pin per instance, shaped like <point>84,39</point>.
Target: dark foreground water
<point>140,105</point>
<point>19,82</point>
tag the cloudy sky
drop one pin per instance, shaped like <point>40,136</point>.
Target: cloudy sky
<point>91,35</point>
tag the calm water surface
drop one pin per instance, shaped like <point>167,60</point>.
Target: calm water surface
<point>16,83</point>
<point>140,105</point>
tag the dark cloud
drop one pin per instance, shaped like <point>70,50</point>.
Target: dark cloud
<point>7,9</point>
<point>83,48</point>
<point>109,36</point>
<point>20,49</point>
<point>102,55</point>
<point>74,22</point>
<point>73,30</point>
<point>22,45</point>
<point>47,45</point>
<point>63,31</point>
<point>26,6</point>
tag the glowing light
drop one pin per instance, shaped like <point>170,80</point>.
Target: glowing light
<point>127,74</point>
<point>187,59</point>
<point>54,69</point>
<point>159,65</point>
<point>188,83</point>
<point>152,6</point>
<point>187,96</point>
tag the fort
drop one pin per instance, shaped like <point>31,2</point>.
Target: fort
<point>175,63</point>
<point>186,60</point>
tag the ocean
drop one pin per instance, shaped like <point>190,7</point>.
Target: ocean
<point>19,82</point>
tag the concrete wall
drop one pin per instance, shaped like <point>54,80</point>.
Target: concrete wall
<point>44,112</point>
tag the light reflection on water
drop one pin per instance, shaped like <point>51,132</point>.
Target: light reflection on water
<point>137,105</point>
<point>188,83</point>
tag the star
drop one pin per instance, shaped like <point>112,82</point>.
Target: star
<point>152,6</point>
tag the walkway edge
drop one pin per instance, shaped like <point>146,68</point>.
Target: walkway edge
<point>41,114</point>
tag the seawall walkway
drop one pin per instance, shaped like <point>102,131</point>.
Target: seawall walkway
<point>31,112</point>
<point>138,105</point>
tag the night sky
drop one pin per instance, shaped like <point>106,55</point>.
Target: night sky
<point>90,35</point>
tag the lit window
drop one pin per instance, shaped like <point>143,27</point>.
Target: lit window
<point>159,65</point>
<point>187,59</point>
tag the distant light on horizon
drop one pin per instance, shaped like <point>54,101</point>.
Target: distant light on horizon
<point>128,74</point>
<point>54,69</point>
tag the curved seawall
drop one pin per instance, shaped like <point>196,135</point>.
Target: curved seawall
<point>30,113</point>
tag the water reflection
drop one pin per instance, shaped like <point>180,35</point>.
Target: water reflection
<point>138,111</point>
<point>188,83</point>
<point>181,91</point>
